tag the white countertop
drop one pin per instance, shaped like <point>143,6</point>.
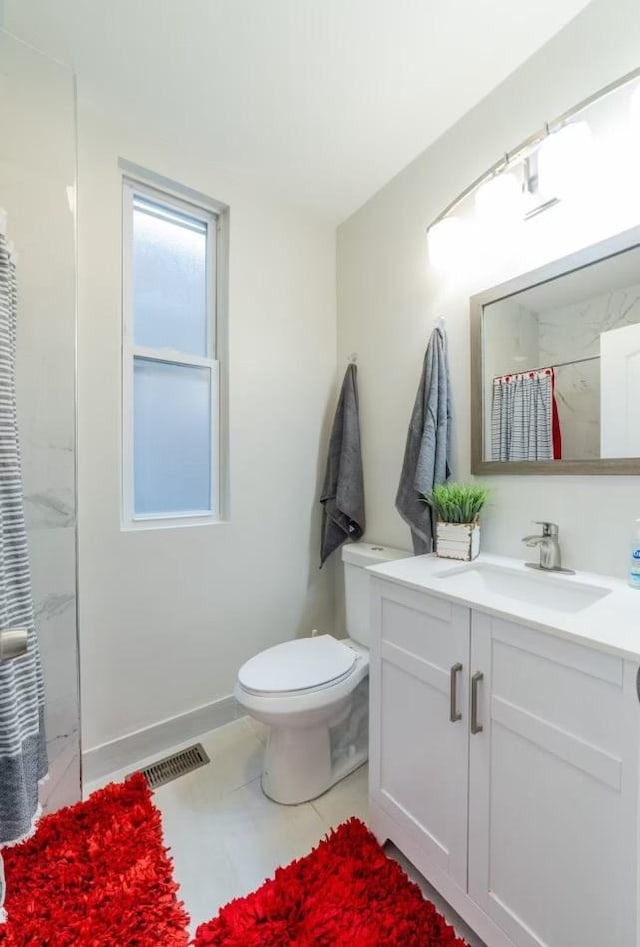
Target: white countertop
<point>612,623</point>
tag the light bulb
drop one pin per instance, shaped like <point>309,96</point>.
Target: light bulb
<point>565,161</point>
<point>444,239</point>
<point>499,201</point>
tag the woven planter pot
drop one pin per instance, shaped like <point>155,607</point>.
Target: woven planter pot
<point>458,541</point>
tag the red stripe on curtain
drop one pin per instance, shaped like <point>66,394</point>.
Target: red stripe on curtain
<point>555,420</point>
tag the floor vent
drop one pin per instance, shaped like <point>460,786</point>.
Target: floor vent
<point>172,767</point>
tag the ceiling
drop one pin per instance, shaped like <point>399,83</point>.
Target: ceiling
<point>319,100</point>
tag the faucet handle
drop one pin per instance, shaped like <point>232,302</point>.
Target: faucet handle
<point>548,529</point>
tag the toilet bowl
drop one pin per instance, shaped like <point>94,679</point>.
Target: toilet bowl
<point>312,693</point>
<point>301,690</point>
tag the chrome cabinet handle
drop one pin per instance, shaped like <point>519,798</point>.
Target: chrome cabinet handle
<point>475,680</point>
<point>454,713</point>
<point>13,643</point>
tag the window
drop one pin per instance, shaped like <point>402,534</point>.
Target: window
<point>170,370</point>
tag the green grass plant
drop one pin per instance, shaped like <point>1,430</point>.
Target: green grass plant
<point>457,502</point>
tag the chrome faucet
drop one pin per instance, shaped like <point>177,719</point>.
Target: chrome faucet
<point>550,556</point>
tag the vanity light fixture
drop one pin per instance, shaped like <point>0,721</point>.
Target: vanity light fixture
<point>444,239</point>
<point>565,160</point>
<point>499,201</point>
<point>561,140</point>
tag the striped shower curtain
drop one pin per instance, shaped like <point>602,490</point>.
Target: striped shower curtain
<point>23,758</point>
<point>524,417</point>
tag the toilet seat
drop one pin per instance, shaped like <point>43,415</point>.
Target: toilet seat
<point>298,667</point>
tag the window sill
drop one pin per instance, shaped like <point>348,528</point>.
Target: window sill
<point>171,522</point>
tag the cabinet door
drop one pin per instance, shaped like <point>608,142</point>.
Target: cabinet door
<point>553,789</point>
<point>419,755</point>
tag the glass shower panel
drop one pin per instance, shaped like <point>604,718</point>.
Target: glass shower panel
<point>37,188</point>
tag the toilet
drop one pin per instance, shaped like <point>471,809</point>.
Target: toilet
<point>313,694</point>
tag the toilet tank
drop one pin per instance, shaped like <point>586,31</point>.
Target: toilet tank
<point>355,558</point>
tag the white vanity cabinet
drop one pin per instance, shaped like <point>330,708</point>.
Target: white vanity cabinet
<point>419,759</point>
<point>504,763</point>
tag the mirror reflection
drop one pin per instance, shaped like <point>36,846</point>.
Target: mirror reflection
<point>561,366</point>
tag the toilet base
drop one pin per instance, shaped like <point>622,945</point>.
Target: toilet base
<point>307,753</point>
<point>297,765</point>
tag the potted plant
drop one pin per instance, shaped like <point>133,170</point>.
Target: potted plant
<point>457,509</point>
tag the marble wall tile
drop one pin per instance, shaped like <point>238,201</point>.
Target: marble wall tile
<point>46,413</point>
<point>45,382</point>
<point>573,331</point>
<point>61,787</point>
<point>52,555</point>
<point>37,175</point>
<point>578,400</point>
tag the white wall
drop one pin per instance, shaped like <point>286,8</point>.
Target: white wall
<point>168,616</point>
<point>387,298</point>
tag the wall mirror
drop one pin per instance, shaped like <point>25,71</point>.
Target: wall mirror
<point>555,359</point>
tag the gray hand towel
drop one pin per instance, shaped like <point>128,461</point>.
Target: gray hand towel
<point>428,449</point>
<point>342,495</point>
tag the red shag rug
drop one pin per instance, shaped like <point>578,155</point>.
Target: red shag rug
<point>346,893</point>
<point>95,875</point>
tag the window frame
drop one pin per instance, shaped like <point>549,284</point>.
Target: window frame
<point>132,187</point>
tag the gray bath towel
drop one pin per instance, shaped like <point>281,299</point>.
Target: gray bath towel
<point>342,495</point>
<point>428,450</point>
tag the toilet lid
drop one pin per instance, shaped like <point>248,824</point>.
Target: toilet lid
<point>297,665</point>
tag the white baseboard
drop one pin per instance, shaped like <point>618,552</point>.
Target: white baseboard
<point>132,748</point>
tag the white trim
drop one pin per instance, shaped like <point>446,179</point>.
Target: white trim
<point>171,198</point>
<point>222,356</point>
<point>216,340</point>
<point>127,359</point>
<point>171,357</point>
<point>172,521</point>
<point>131,748</point>
<point>211,286</point>
<point>198,200</point>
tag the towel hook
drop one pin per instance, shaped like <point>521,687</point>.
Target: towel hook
<point>353,358</point>
<point>439,323</point>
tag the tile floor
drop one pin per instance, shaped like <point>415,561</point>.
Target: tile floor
<point>226,837</point>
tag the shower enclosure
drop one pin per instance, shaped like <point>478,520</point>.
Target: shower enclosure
<point>37,193</point>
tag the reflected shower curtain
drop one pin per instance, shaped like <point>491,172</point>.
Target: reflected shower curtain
<point>524,417</point>
<point>23,758</point>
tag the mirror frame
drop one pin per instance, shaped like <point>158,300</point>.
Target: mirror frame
<point>612,246</point>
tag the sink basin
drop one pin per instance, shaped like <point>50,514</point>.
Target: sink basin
<point>554,592</point>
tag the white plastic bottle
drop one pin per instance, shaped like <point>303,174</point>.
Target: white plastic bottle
<point>634,563</point>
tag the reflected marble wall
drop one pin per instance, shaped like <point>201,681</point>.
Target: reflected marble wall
<point>578,400</point>
<point>573,332</point>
